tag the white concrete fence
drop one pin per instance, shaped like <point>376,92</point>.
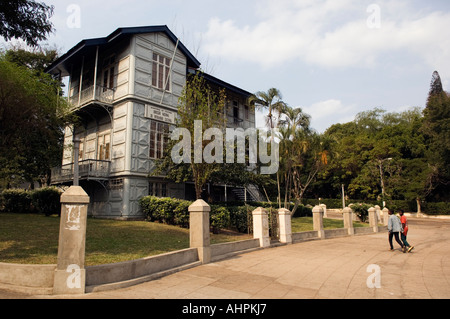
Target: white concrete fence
<point>70,276</point>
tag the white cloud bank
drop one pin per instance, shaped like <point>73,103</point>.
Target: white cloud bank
<point>333,33</point>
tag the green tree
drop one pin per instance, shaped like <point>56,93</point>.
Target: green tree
<point>271,100</point>
<point>198,102</point>
<point>25,19</point>
<point>32,117</point>
<point>436,128</point>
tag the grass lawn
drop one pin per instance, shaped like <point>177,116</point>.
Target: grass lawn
<point>302,224</point>
<point>33,239</point>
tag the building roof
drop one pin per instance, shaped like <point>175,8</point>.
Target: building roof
<point>61,65</point>
<point>223,84</point>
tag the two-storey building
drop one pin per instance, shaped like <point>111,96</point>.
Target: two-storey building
<point>125,89</point>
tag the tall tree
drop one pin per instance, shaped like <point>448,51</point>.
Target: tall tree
<point>32,117</point>
<point>25,19</point>
<point>271,100</point>
<point>436,128</point>
<point>199,109</point>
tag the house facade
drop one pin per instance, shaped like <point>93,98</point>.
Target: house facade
<point>125,89</point>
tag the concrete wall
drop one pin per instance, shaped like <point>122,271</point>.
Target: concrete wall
<point>112,273</point>
<point>232,247</point>
<point>37,279</point>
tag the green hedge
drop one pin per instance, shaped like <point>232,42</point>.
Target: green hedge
<point>234,215</point>
<point>41,201</point>
<point>441,208</point>
<point>175,212</point>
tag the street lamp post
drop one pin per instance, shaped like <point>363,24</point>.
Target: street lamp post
<point>382,179</point>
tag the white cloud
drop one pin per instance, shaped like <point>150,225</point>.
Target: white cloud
<point>326,113</point>
<point>332,33</point>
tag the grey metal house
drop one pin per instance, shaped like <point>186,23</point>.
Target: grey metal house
<point>125,89</point>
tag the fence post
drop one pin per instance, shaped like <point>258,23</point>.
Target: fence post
<point>378,210</point>
<point>324,210</point>
<point>348,220</point>
<point>70,274</point>
<point>385,216</point>
<point>318,221</point>
<point>284,217</point>
<point>373,221</point>
<point>199,229</point>
<point>261,226</point>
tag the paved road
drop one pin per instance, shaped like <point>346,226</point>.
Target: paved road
<point>333,268</point>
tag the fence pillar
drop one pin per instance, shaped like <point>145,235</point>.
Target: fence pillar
<point>385,216</point>
<point>373,221</point>
<point>324,210</point>
<point>348,220</point>
<point>70,274</point>
<point>318,221</point>
<point>261,226</point>
<point>284,219</point>
<point>378,210</point>
<point>199,229</point>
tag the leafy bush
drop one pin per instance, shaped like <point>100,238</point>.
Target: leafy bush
<point>361,210</point>
<point>42,201</point>
<point>219,217</point>
<point>441,208</point>
<point>47,201</point>
<point>17,201</point>
<point>241,218</point>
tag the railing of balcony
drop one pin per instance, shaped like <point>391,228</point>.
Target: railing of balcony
<point>102,94</point>
<point>88,169</point>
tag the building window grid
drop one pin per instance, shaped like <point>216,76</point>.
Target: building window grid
<point>161,72</point>
<point>159,139</point>
<point>157,189</point>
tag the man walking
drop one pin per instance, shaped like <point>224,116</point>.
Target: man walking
<point>394,228</point>
<point>404,222</point>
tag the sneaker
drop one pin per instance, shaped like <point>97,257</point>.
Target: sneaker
<point>410,249</point>
<point>404,249</point>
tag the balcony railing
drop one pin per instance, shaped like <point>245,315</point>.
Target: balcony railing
<point>88,169</point>
<point>102,94</point>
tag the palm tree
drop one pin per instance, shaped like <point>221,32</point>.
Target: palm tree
<point>271,100</point>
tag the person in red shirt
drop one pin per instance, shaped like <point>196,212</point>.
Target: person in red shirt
<point>404,234</point>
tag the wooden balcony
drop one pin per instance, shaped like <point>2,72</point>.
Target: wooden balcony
<point>102,95</point>
<point>88,170</point>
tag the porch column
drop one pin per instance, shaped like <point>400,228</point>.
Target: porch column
<point>318,221</point>
<point>95,75</point>
<point>80,85</point>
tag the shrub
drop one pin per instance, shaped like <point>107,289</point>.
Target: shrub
<point>219,218</point>
<point>181,214</point>
<point>47,201</point>
<point>16,201</point>
<point>440,208</point>
<point>361,210</point>
<point>303,211</point>
<point>241,218</point>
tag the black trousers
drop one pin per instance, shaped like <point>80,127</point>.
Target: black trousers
<point>397,239</point>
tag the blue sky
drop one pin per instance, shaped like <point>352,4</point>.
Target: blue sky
<point>333,58</point>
